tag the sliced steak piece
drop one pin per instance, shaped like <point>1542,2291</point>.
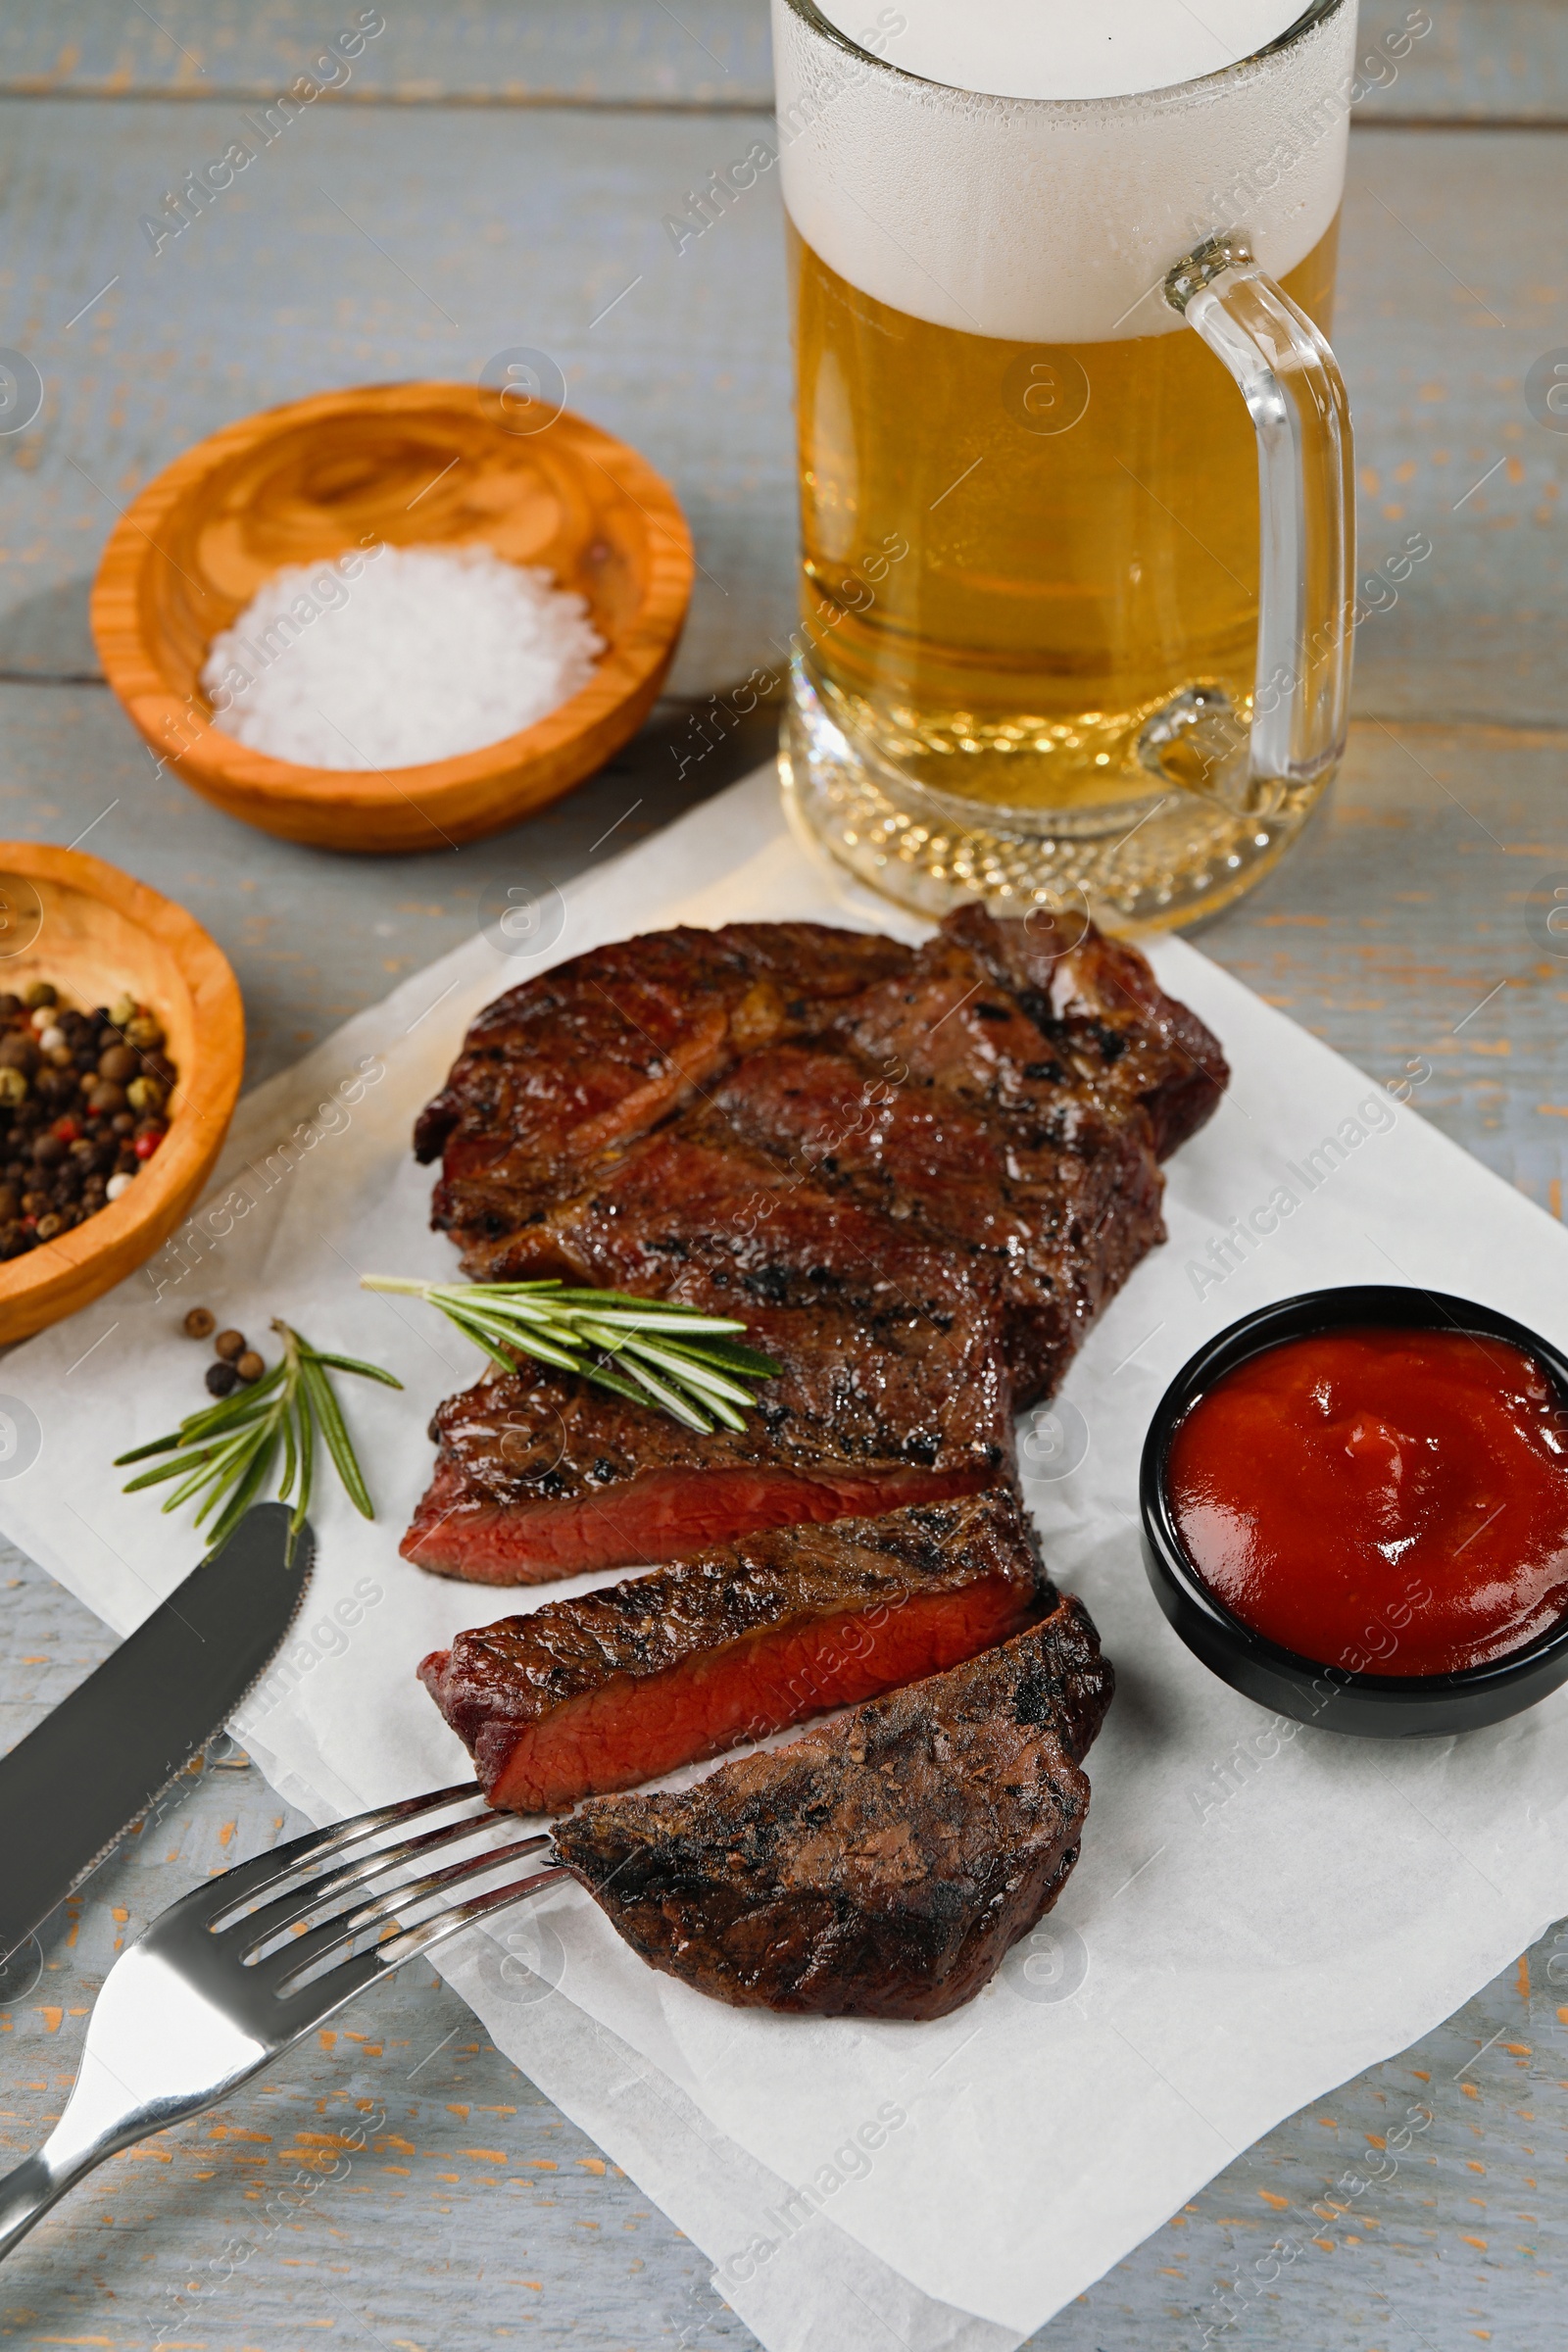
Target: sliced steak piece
<point>1061,1228</point>
<point>543,1476</point>
<point>878,1867</point>
<point>572,1064</point>
<point>616,1686</point>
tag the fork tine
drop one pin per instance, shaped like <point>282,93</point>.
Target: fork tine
<point>249,1878</point>
<point>286,1966</point>
<point>311,1895</point>
<point>412,1940</point>
<point>300,2010</point>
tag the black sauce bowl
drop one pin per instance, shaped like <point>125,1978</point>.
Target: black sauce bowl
<point>1380,1706</point>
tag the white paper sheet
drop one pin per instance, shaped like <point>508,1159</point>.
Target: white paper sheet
<point>1256,1915</point>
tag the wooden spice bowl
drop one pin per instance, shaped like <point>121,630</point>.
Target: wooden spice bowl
<point>407,465</point>
<point>99,934</point>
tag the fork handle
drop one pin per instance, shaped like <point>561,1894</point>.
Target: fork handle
<point>26,2194</point>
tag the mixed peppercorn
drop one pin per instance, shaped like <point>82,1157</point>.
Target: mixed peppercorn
<point>239,1363</point>
<point>83,1100</point>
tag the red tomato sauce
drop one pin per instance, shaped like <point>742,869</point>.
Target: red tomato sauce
<point>1388,1502</point>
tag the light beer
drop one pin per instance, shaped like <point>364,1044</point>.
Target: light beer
<point>1029,493</point>
<point>1082,533</point>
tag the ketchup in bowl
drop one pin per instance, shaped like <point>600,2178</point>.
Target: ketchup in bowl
<point>1386,1500</point>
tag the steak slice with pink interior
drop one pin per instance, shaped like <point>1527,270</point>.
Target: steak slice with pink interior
<point>618,1686</point>
<point>881,1865</point>
<point>540,1476</point>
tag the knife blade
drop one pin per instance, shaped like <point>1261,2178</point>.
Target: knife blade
<point>74,1784</point>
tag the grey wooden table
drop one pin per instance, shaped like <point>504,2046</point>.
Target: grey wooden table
<point>497,174</point>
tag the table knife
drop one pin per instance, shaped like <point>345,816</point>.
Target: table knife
<point>74,1784</point>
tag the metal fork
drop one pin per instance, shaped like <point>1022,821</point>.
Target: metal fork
<point>223,1983</point>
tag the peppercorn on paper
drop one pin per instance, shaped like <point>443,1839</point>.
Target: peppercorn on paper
<point>1260,1910</point>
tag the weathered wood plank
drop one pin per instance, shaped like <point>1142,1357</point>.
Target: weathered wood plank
<point>1442,312</point>
<point>523,51</point>
<point>367,245</point>
<point>1498,60</point>
<point>1480,59</point>
<point>492,231</point>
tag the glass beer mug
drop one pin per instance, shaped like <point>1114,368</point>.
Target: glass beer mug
<point>1071,627</point>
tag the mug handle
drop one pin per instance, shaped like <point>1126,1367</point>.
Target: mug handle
<point>1295,393</point>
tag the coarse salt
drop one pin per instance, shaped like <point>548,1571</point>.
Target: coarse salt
<point>394,656</point>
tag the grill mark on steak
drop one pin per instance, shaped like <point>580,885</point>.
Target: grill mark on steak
<point>573,1063</point>
<point>697,1206</point>
<point>541,1475</point>
<point>880,1866</point>
<point>618,1686</point>
<point>1061,1228</point>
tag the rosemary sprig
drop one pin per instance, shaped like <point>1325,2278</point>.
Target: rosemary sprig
<point>654,1350</point>
<point>227,1451</point>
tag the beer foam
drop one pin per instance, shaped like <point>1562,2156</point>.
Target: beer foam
<point>1051,220</point>
<point>1070,48</point>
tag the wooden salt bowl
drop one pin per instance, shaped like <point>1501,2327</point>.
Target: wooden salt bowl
<point>98,934</point>
<point>409,464</point>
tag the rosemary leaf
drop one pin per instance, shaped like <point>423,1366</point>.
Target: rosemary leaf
<point>306,1427</point>
<point>684,1371</point>
<point>245,1492</point>
<point>352,1363</point>
<point>329,1421</point>
<point>671,1398</point>
<point>225,1454</point>
<point>656,1351</point>
<point>165,1470</point>
<point>291,1456</point>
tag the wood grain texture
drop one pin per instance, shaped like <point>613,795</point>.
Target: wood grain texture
<point>523,230</point>
<point>1485,58</point>
<point>708,52</point>
<point>1397,930</point>
<point>99,934</point>
<point>337,476</point>
<point>383,246</point>
<point>314,937</point>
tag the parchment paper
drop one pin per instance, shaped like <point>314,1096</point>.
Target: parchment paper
<point>1260,1912</point>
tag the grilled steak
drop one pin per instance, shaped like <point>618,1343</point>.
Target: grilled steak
<point>542,1475</point>
<point>880,1866</point>
<point>916,1176</point>
<point>1057,1227</point>
<point>695,1207</point>
<point>571,1064</point>
<point>566,1070</point>
<point>616,1686</point>
<point>1003,1012</point>
<point>1106,1015</point>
